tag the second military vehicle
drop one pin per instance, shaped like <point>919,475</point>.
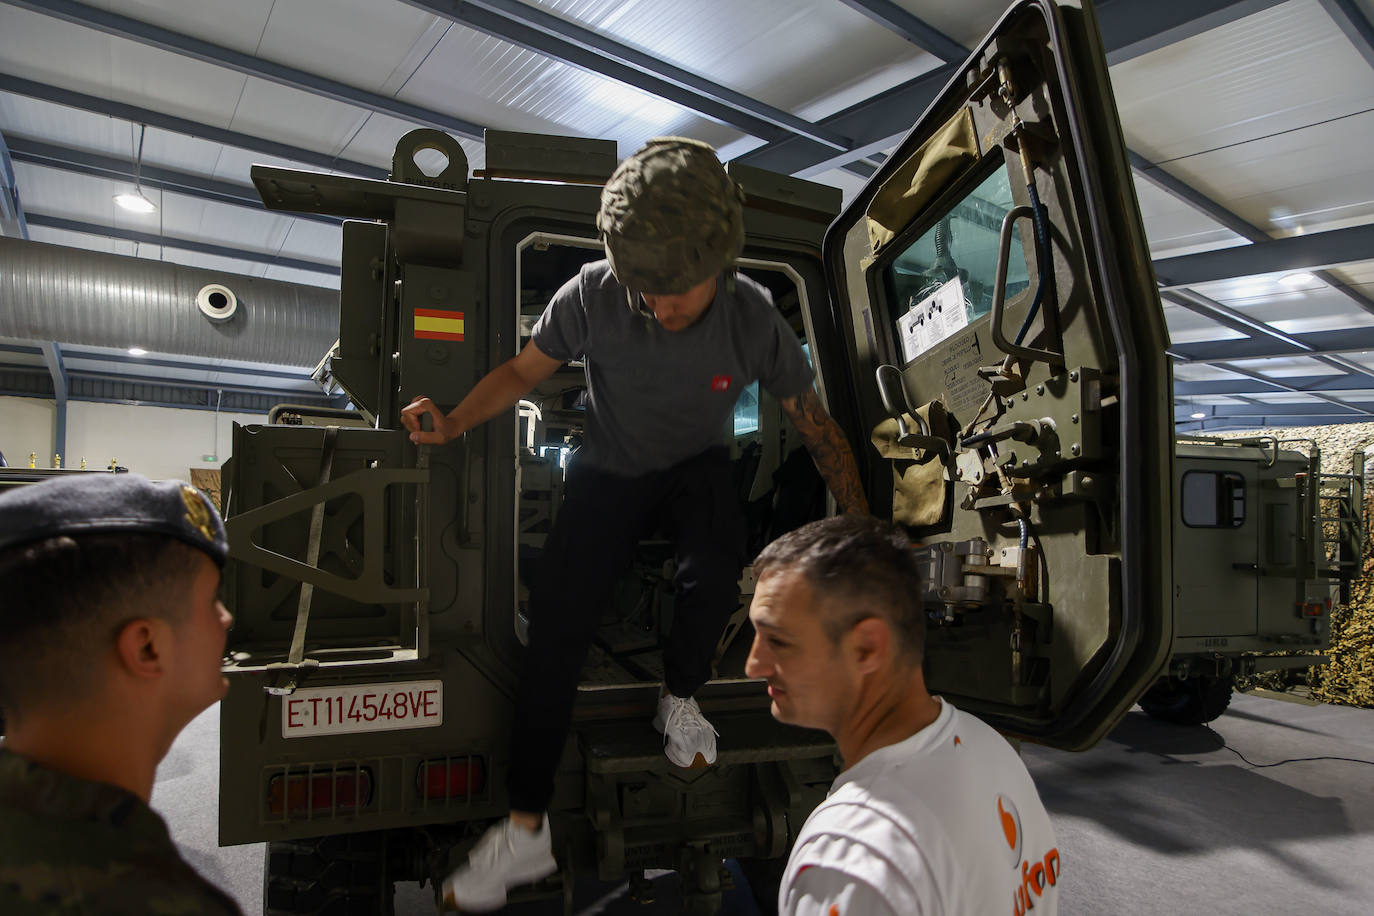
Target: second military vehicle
<point>1264,544</point>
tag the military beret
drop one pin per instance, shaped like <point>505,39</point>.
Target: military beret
<point>100,503</point>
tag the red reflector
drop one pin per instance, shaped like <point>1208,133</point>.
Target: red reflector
<point>315,793</point>
<point>454,777</point>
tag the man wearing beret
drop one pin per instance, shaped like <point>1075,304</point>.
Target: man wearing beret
<point>111,640</point>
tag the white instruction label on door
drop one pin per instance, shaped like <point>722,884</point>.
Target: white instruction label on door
<point>933,319</point>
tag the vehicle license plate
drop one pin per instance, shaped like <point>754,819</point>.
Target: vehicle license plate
<point>365,708</point>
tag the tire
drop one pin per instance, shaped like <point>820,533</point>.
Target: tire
<point>1195,701</point>
<point>343,875</point>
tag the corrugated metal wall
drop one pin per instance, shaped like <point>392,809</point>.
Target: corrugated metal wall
<point>49,292</point>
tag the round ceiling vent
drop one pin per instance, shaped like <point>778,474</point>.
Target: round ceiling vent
<point>217,302</point>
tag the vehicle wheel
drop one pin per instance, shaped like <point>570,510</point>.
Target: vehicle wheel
<point>343,875</point>
<point>1195,701</point>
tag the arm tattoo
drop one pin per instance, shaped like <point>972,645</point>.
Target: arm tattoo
<point>829,449</point>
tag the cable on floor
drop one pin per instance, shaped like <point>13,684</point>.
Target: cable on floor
<point>1263,766</point>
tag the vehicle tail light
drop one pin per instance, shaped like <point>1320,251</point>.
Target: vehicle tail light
<point>1312,609</point>
<point>320,792</point>
<point>452,777</point>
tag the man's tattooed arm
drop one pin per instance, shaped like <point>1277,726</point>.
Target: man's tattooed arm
<point>829,449</point>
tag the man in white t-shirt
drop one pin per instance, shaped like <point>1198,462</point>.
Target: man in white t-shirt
<point>934,812</point>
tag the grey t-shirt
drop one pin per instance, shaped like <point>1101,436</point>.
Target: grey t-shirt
<point>657,397</point>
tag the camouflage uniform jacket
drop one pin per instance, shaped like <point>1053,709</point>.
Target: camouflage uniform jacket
<point>68,847</point>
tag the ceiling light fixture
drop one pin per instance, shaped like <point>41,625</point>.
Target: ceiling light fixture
<point>1301,278</point>
<point>137,351</point>
<point>1198,415</point>
<point>137,202</point>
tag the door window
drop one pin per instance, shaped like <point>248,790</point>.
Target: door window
<point>943,280</point>
<point>1213,499</point>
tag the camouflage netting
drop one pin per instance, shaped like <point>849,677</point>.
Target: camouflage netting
<point>1348,678</point>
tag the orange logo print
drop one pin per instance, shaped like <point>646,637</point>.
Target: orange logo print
<point>1010,819</point>
<point>1032,879</point>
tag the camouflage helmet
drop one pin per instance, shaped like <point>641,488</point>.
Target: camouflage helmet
<point>670,217</point>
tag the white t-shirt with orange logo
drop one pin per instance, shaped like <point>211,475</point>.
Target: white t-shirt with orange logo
<point>946,822</point>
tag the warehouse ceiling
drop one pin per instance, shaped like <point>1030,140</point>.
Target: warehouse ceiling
<point>1249,124</point>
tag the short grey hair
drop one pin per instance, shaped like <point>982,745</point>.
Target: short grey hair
<point>862,564</point>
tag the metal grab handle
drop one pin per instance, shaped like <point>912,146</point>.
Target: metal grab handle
<point>922,440</point>
<point>999,294</point>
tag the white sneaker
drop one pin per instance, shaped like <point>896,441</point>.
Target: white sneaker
<point>506,856</point>
<point>688,739</point>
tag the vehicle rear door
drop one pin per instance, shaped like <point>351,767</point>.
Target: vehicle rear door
<point>992,286</point>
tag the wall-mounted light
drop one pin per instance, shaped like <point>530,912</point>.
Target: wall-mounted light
<point>137,202</point>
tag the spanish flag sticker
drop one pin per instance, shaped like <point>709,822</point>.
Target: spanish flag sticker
<point>438,324</point>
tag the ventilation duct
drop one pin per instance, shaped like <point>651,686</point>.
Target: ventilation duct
<point>84,298</point>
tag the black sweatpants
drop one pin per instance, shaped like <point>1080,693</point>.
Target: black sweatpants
<point>590,547</point>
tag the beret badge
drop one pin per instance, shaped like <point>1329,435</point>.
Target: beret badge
<point>197,514</point>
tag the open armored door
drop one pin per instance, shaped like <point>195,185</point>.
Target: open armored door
<point>1003,343</point>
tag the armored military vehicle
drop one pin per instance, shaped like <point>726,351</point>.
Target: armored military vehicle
<point>1264,544</point>
<point>984,312</point>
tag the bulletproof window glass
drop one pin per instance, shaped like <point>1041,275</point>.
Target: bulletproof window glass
<point>1213,499</point>
<point>943,279</point>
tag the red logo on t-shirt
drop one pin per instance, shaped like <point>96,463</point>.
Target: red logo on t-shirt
<point>721,383</point>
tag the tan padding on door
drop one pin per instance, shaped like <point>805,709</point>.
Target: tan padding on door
<point>918,479</point>
<point>927,172</point>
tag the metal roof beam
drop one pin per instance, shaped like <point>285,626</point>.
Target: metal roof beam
<point>192,385</point>
<point>82,162</point>
<point>77,353</point>
<point>1354,23</point>
<point>136,115</point>
<point>1129,28</point>
<point>1141,26</point>
<point>150,238</point>
<point>73,376</point>
<point>1239,321</point>
<point>1191,196</point>
<point>1284,386</point>
<point>1260,409</point>
<point>1298,252</point>
<point>900,21</point>
<point>1305,384</point>
<point>1228,317</point>
<point>1176,187</point>
<point>28,384</point>
<point>552,36</point>
<point>144,33</point>
<point>1230,423</point>
<point>1329,343</point>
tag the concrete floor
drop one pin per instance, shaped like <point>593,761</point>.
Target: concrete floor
<point>1155,819</point>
